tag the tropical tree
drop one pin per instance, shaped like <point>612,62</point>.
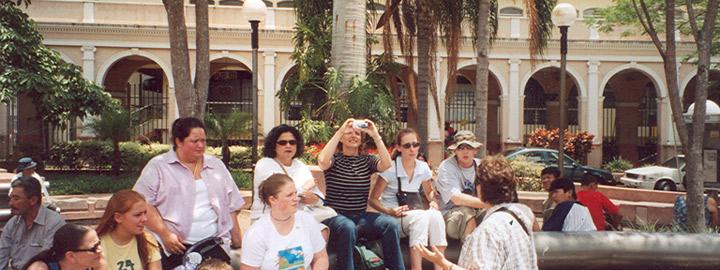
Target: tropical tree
<point>422,23</point>
<point>226,127</point>
<point>191,95</point>
<point>28,67</point>
<point>653,18</point>
<point>349,46</point>
<point>319,78</point>
<point>113,125</point>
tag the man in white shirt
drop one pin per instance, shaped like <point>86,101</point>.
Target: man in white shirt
<point>569,215</point>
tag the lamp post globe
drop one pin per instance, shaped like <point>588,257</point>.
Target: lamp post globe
<point>254,12</point>
<point>563,15</point>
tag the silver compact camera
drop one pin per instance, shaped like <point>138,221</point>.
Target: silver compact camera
<point>360,124</point>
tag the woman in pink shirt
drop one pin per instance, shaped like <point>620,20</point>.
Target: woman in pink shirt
<point>191,196</point>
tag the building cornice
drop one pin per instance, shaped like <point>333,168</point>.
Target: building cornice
<point>153,31</point>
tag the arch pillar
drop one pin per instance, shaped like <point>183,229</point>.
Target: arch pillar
<point>268,94</point>
<point>514,106</point>
<point>591,109</point>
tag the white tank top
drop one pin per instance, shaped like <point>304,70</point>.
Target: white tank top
<point>204,222</point>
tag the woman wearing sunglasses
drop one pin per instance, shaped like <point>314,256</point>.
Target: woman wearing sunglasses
<point>74,247</point>
<point>423,225</point>
<point>122,232</point>
<point>347,176</point>
<point>283,145</point>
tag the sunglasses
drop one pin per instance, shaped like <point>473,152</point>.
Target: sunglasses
<point>465,147</point>
<point>284,142</point>
<point>413,145</point>
<point>93,249</point>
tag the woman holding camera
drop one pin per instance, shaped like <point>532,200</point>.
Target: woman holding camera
<point>422,224</point>
<point>347,176</point>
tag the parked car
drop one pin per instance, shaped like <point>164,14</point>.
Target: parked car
<point>548,157</point>
<point>668,176</point>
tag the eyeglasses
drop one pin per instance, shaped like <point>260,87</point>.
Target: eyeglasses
<point>93,249</point>
<point>284,142</point>
<point>413,145</point>
<point>465,147</point>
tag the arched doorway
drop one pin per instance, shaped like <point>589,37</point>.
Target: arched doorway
<point>140,85</point>
<point>629,120</point>
<point>460,107</point>
<point>230,88</point>
<point>542,102</point>
<point>713,89</point>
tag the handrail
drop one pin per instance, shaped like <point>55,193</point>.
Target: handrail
<point>627,250</point>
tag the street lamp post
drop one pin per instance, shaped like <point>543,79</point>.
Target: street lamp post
<point>254,11</point>
<point>563,15</point>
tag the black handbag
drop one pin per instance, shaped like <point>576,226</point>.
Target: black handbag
<point>413,200</point>
<point>210,247</point>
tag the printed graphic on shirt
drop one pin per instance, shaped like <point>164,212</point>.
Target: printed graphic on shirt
<point>125,265</point>
<point>291,258</point>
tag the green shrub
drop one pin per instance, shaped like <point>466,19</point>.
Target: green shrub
<point>93,182</point>
<point>243,179</point>
<point>96,154</point>
<point>240,156</point>
<point>75,155</point>
<point>65,155</point>
<point>88,183</point>
<point>135,156</point>
<point>618,165</point>
<point>527,173</point>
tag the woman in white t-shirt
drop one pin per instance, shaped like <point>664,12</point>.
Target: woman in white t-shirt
<point>283,238</point>
<point>283,144</point>
<point>421,225</point>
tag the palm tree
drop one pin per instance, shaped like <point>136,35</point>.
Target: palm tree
<point>426,21</point>
<point>113,125</point>
<point>348,40</point>
<point>226,127</point>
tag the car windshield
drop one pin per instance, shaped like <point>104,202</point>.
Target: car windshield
<point>674,162</point>
<point>553,159</point>
<point>510,152</point>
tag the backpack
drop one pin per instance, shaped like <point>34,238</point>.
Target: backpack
<point>366,259</point>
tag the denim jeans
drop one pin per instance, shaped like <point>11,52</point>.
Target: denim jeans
<point>346,228</point>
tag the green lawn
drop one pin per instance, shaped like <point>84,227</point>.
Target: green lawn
<point>81,182</point>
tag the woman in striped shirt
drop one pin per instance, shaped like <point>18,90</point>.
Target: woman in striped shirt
<point>347,176</point>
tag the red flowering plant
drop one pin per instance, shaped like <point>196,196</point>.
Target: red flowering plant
<point>576,145</point>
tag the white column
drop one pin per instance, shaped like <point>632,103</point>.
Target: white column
<point>594,35</point>
<point>88,64</point>
<point>268,92</point>
<point>433,125</point>
<point>514,111</point>
<point>515,28</point>
<point>593,104</point>
<point>269,19</point>
<point>88,12</point>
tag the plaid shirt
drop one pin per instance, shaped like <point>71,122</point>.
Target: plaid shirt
<point>500,242</point>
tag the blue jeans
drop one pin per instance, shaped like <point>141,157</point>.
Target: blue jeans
<point>345,229</point>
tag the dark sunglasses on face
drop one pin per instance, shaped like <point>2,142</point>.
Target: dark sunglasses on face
<point>413,145</point>
<point>465,147</point>
<point>284,142</point>
<point>93,249</point>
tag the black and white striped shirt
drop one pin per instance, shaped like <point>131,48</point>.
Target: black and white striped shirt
<point>348,182</point>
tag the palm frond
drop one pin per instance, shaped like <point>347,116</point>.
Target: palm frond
<point>540,19</point>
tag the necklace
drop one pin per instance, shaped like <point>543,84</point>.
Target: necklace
<point>281,220</point>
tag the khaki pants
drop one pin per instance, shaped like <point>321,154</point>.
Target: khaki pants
<point>456,220</point>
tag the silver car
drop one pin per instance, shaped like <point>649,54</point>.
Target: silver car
<point>668,176</point>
